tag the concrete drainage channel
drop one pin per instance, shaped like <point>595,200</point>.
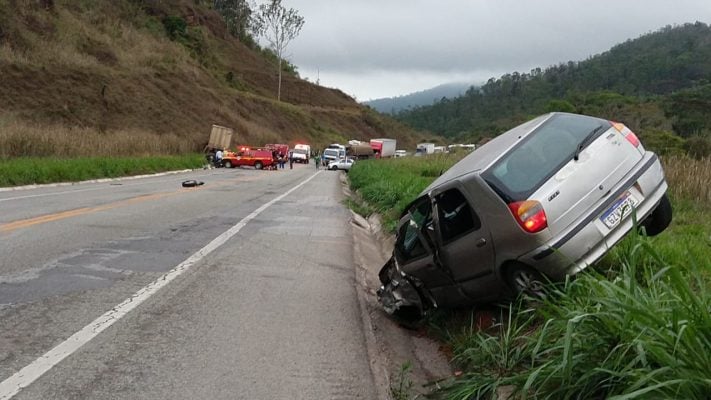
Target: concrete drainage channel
<point>390,346</point>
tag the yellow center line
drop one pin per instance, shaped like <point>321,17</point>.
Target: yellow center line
<point>24,223</point>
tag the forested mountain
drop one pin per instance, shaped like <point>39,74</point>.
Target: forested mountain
<point>392,105</point>
<point>659,84</point>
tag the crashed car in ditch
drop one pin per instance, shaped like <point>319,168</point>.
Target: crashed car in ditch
<point>542,201</point>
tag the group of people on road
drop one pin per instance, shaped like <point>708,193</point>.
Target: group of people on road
<point>280,160</point>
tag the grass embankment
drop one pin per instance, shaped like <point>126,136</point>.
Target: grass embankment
<point>638,325</point>
<point>387,186</point>
<point>25,171</point>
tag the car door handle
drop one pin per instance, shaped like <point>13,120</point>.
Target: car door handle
<point>481,242</point>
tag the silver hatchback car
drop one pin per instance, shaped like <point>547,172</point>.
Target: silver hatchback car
<point>544,200</point>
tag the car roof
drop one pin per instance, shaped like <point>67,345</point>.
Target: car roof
<point>488,153</point>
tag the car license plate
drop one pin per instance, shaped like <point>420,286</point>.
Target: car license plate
<point>618,211</point>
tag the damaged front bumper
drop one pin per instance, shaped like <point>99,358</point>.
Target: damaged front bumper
<point>399,294</point>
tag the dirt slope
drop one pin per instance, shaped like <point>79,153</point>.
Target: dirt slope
<point>74,71</point>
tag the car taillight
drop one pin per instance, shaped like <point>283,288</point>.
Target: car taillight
<point>627,133</point>
<point>530,215</point>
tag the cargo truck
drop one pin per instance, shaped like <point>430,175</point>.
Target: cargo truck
<point>425,148</point>
<point>330,154</point>
<point>220,138</point>
<point>383,147</point>
<point>219,142</point>
<point>301,153</point>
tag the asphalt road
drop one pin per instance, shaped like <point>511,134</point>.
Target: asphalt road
<point>239,289</point>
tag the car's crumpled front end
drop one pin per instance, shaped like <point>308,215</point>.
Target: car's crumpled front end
<point>399,294</point>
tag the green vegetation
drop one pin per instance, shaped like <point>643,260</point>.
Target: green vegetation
<point>402,387</point>
<point>639,331</point>
<point>389,185</point>
<point>637,325</point>
<point>656,83</point>
<point>24,171</point>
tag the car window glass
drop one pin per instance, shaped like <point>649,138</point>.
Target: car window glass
<point>454,215</point>
<point>538,157</point>
<point>409,244</point>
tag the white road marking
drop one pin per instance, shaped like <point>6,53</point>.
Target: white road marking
<point>23,378</point>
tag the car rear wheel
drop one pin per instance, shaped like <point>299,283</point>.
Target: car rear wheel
<point>227,164</point>
<point>525,280</point>
<point>258,165</point>
<point>659,219</point>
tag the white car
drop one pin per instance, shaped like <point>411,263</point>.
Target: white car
<point>344,164</point>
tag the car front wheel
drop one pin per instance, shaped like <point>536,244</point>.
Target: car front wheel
<point>227,164</point>
<point>258,165</point>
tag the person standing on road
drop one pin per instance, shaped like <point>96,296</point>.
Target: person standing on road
<point>218,158</point>
<point>291,160</point>
<point>317,160</point>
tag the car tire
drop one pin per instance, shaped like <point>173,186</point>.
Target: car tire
<point>228,164</point>
<point>258,165</point>
<point>192,183</point>
<point>524,280</point>
<point>659,219</point>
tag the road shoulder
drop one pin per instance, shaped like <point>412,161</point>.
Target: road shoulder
<point>390,346</point>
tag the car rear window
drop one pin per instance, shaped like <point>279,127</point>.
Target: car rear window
<point>536,158</point>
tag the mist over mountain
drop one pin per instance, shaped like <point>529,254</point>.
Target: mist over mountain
<point>393,105</point>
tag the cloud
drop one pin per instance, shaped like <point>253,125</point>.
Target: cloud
<point>375,48</point>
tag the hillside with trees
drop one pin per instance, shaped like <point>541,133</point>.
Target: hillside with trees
<point>658,84</point>
<point>142,77</point>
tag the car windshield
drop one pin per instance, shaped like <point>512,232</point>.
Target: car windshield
<point>536,158</point>
<point>409,243</point>
<point>330,152</point>
<point>300,151</point>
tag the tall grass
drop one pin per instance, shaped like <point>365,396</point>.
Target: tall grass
<point>23,171</point>
<point>19,139</point>
<point>689,178</point>
<point>645,333</point>
<point>388,185</point>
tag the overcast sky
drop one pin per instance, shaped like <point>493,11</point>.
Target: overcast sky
<point>383,48</point>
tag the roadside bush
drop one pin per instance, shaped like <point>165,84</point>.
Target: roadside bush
<point>664,143</point>
<point>175,27</point>
<point>698,147</point>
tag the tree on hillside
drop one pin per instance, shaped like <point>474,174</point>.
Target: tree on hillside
<point>278,26</point>
<point>237,15</point>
